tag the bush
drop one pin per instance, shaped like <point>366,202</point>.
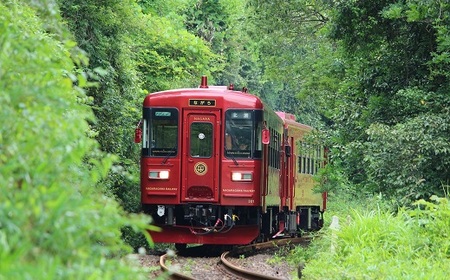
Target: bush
<point>410,160</point>
<point>54,223</point>
<point>412,244</point>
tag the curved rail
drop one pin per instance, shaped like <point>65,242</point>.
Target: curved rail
<point>234,270</point>
<point>246,274</point>
<point>173,274</point>
<point>274,242</point>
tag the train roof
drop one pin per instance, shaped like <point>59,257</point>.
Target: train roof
<point>289,119</point>
<point>222,95</point>
<point>204,95</point>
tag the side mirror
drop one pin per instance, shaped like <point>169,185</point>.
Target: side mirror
<point>265,136</point>
<point>138,135</point>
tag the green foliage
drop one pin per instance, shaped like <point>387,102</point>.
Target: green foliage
<point>393,83</point>
<point>54,222</point>
<point>170,57</point>
<point>163,8</point>
<point>208,20</point>
<point>412,244</point>
<point>422,148</point>
<point>133,49</point>
<point>106,32</point>
<point>100,29</point>
<point>292,52</point>
<point>222,25</point>
<point>365,69</point>
<point>434,218</point>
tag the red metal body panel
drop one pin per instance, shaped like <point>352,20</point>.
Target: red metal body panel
<point>294,130</point>
<point>237,236</point>
<point>241,193</point>
<point>190,174</point>
<point>200,175</point>
<point>163,191</point>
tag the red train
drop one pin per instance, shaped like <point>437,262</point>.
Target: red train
<point>220,167</point>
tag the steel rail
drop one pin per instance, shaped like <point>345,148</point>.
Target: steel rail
<point>172,274</point>
<point>244,273</point>
<point>231,269</point>
<point>272,243</point>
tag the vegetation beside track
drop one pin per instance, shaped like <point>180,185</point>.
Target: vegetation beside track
<point>55,223</point>
<point>374,242</point>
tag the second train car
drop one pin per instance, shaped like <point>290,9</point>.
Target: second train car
<point>218,166</point>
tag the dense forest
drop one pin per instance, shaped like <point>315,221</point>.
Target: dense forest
<point>373,78</point>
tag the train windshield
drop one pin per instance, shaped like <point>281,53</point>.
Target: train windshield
<point>243,133</point>
<point>160,132</point>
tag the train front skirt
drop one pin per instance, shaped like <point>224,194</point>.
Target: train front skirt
<point>238,235</point>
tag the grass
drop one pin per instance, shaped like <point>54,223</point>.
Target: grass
<point>380,244</point>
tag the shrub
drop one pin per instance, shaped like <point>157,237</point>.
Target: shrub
<point>411,244</point>
<point>54,223</point>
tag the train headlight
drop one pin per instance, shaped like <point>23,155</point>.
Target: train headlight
<point>164,174</point>
<point>158,174</point>
<point>242,176</point>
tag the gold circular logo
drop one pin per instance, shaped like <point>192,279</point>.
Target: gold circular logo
<point>200,168</point>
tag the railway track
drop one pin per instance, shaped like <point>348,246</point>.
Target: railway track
<point>226,269</point>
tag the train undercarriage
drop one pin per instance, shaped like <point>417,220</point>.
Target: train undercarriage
<point>233,225</point>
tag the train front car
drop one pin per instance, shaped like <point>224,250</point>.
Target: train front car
<point>201,165</point>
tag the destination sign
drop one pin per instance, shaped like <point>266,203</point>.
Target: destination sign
<point>163,114</point>
<point>202,102</point>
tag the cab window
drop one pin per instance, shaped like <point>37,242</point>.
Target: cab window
<point>241,139</point>
<point>160,133</point>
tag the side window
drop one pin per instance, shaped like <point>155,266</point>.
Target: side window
<point>271,148</point>
<point>310,158</point>
<point>258,124</point>
<point>160,133</point>
<point>277,149</point>
<point>274,148</point>
<point>201,140</point>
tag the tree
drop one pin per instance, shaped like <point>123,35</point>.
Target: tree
<point>292,48</point>
<point>222,24</point>
<point>375,73</point>
<point>130,54</point>
<point>393,57</point>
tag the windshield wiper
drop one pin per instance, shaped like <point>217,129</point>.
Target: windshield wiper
<point>171,151</point>
<point>231,155</point>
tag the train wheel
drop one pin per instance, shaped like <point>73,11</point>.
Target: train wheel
<point>180,247</point>
<point>262,238</point>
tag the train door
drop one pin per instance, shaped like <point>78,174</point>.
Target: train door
<point>200,157</point>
